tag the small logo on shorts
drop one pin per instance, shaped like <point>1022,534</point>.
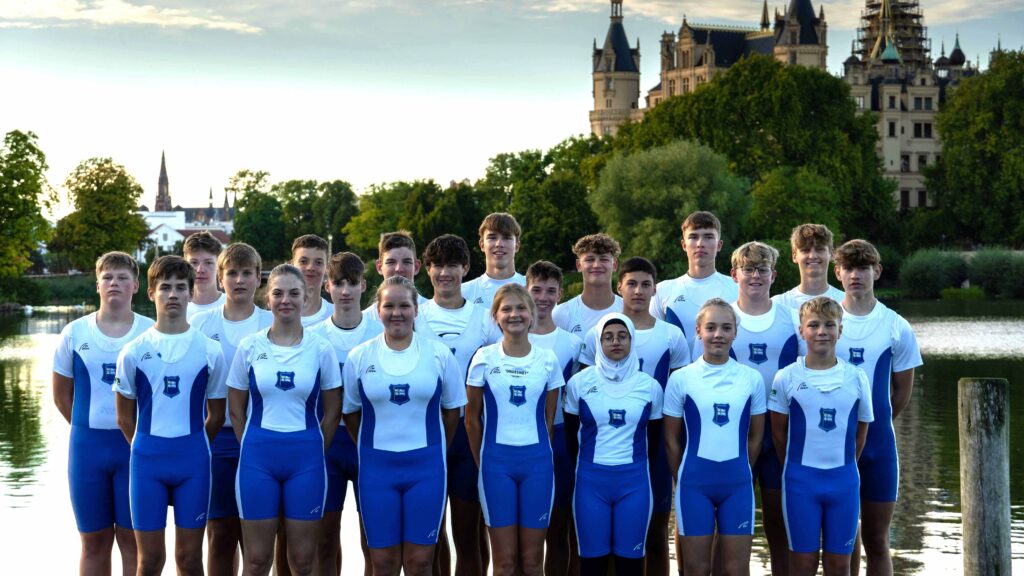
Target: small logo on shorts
<point>856,356</point>
<point>201,517</point>
<point>517,395</point>
<point>108,373</point>
<point>638,547</point>
<point>743,526</point>
<point>850,542</point>
<point>616,418</point>
<point>828,419</point>
<point>721,416</point>
<point>399,393</point>
<point>758,353</point>
<point>315,510</point>
<point>433,534</point>
<point>285,380</point>
<point>543,518</point>
<point>171,388</point>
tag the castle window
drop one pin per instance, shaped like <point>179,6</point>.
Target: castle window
<point>928,103</point>
<point>860,102</point>
<point>904,200</point>
<point>892,102</point>
<point>892,129</point>
<point>671,87</point>
<point>922,198</point>
<point>792,58</point>
<point>922,161</point>
<point>686,59</point>
<point>608,103</point>
<point>686,85</point>
<point>609,84</point>
<point>792,37</point>
<point>918,103</point>
<point>905,163</point>
<point>922,129</point>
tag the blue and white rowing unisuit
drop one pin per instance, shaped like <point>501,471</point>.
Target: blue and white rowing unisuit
<point>225,447</point>
<point>170,376</point>
<point>566,347</point>
<point>612,501</point>
<point>715,486</point>
<point>820,485</point>
<point>401,441</point>
<point>577,318</point>
<point>281,466</point>
<point>98,453</point>
<point>678,300</point>
<point>342,457</point>
<point>481,290</point>
<point>516,470</point>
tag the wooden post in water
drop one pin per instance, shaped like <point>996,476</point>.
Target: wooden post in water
<point>984,413</point>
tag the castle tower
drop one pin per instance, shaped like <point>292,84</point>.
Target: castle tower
<point>800,36</point>
<point>616,74</point>
<point>227,208</point>
<point>163,192</point>
<point>902,24</point>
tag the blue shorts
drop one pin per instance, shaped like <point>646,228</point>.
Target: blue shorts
<point>565,476</point>
<point>342,468</point>
<point>224,465</point>
<point>281,471</point>
<point>462,471</point>
<point>879,475</point>
<point>820,505</point>
<point>730,507</point>
<point>661,479</point>
<point>612,508</point>
<point>517,485</point>
<point>406,491</point>
<point>767,470</point>
<point>165,470</point>
<point>98,478</point>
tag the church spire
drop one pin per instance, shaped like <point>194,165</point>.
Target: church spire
<point>764,16</point>
<point>163,191</point>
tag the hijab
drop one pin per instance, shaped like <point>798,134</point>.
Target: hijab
<point>607,368</point>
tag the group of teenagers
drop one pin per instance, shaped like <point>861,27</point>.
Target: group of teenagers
<point>556,437</point>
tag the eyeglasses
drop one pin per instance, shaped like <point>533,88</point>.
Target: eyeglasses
<point>609,338</point>
<point>761,270</point>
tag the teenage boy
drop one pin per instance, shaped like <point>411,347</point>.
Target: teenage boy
<point>544,283</point>
<point>597,258</point>
<point>678,300</point>
<point>170,384</point>
<point>344,330</point>
<point>309,255</point>
<point>83,370</point>
<point>821,411</point>
<point>880,342</point>
<point>812,249</point>
<point>238,271</point>
<point>767,341</point>
<point>499,241</point>
<point>201,250</point>
<point>396,256</point>
<point>661,348</point>
<point>464,327</point>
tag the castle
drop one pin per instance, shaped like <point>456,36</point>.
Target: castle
<point>890,73</point>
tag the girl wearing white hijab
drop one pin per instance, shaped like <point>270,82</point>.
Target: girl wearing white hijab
<point>611,409</point>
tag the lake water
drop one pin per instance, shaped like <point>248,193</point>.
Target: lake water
<point>37,530</point>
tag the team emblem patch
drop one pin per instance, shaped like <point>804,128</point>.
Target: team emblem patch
<point>828,419</point>
<point>399,393</point>
<point>617,418</point>
<point>108,373</point>
<point>856,356</point>
<point>171,388</point>
<point>758,353</point>
<point>517,395</point>
<point>285,380</point>
<point>721,416</point>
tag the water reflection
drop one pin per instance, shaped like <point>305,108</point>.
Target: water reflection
<point>22,442</point>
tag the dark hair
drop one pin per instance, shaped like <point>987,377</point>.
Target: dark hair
<point>599,244</point>
<point>701,220</point>
<point>397,239</point>
<point>345,266</point>
<point>117,260</point>
<point>502,223</point>
<point>201,241</point>
<point>446,249</point>
<point>309,241</point>
<point>857,253</point>
<point>170,267</point>
<point>638,264</point>
<point>542,270</point>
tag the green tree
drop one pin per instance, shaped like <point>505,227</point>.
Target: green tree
<point>553,215</point>
<point>296,198</point>
<point>105,197</point>
<point>22,195</point>
<point>335,205</point>
<point>643,197</point>
<point>258,222</point>
<point>380,209</point>
<point>787,197</point>
<point>245,181</point>
<point>763,115</point>
<point>978,182</point>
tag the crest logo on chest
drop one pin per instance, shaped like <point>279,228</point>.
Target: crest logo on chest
<point>828,419</point>
<point>171,388</point>
<point>616,418</point>
<point>758,353</point>
<point>285,381</point>
<point>108,373</point>
<point>721,416</point>
<point>517,395</point>
<point>856,356</point>
<point>399,394</point>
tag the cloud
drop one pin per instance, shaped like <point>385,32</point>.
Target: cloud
<point>56,13</point>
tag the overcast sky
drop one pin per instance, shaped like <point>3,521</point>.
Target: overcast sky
<point>368,91</point>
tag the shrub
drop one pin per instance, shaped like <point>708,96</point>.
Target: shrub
<point>926,272</point>
<point>970,293</point>
<point>1000,273</point>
